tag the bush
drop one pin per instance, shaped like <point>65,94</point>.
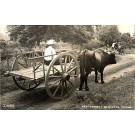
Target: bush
<point>13,44</point>
<point>3,44</point>
<point>93,44</point>
<point>4,66</point>
<point>10,47</point>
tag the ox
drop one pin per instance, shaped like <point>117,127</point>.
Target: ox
<point>93,61</point>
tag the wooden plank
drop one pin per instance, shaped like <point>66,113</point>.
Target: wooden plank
<point>29,74</point>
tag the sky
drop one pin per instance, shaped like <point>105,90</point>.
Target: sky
<point>3,29</point>
<point>127,28</point>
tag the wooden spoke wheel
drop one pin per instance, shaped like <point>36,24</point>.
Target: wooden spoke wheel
<point>61,77</point>
<point>22,62</point>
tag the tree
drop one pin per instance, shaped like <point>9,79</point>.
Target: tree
<point>126,38</point>
<point>33,34</point>
<point>109,34</point>
<point>133,40</point>
<point>15,31</point>
<point>3,44</point>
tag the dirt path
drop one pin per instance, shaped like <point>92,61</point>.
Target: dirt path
<point>116,93</point>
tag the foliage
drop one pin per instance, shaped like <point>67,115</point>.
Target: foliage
<point>93,44</point>
<point>3,44</point>
<point>30,35</point>
<point>133,40</point>
<point>9,47</point>
<point>126,38</point>
<point>109,34</point>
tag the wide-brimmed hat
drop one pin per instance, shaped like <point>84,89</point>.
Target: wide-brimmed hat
<point>50,42</point>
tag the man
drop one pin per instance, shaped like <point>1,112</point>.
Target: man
<point>49,52</point>
<point>114,46</point>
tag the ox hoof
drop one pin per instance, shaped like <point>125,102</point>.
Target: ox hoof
<point>96,81</point>
<point>80,89</point>
<point>102,82</point>
<point>87,89</point>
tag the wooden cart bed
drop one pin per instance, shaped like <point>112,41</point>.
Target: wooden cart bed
<point>29,74</point>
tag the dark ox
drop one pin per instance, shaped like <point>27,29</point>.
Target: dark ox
<point>93,61</point>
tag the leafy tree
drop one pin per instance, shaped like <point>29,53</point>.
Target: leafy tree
<point>126,38</point>
<point>15,31</point>
<point>97,27</point>
<point>3,44</point>
<point>109,34</point>
<point>133,39</point>
<point>34,34</point>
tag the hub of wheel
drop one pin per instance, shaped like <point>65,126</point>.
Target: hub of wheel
<point>65,76</point>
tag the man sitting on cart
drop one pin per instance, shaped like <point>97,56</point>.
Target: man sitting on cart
<point>50,52</point>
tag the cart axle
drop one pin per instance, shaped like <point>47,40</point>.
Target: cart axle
<point>65,76</point>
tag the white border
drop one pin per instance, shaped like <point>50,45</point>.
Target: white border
<point>71,12</point>
<point>67,122</point>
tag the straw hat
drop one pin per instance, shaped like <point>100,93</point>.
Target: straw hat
<point>50,42</point>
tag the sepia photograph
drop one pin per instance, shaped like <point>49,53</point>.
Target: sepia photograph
<point>67,67</point>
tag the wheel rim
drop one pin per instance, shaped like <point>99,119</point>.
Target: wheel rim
<point>60,80</point>
<point>22,62</point>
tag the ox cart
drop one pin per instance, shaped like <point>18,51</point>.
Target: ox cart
<point>29,71</point>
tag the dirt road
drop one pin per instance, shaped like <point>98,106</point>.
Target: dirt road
<point>118,92</point>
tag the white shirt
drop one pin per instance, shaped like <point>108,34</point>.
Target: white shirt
<point>113,45</point>
<point>49,51</point>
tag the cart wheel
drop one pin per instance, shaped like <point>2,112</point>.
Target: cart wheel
<point>22,62</point>
<point>61,77</point>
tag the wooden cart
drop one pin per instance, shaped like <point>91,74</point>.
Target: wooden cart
<point>29,71</point>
